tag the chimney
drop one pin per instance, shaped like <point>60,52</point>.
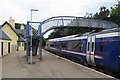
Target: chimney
<point>12,22</point>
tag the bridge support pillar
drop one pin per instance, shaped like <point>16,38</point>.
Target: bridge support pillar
<point>40,41</point>
<point>27,41</point>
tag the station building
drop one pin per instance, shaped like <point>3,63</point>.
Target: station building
<point>12,37</point>
<point>5,44</point>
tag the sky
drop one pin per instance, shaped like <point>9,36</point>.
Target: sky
<point>19,10</point>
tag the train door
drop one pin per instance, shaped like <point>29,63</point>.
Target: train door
<point>90,50</point>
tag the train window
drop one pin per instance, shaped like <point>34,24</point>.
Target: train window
<point>70,45</point>
<point>75,46</point>
<point>101,46</point>
<point>92,46</point>
<point>55,45</point>
<point>51,45</point>
<point>63,45</point>
<point>88,46</point>
<point>81,46</point>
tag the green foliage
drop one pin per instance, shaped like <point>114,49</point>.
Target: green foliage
<point>71,31</point>
<point>43,41</point>
<point>103,14</point>
<point>115,14</point>
<point>34,31</point>
<point>66,32</point>
<point>112,15</point>
<point>56,34</point>
<point>88,15</point>
<point>74,31</point>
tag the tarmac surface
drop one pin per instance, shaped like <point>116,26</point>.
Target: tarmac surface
<point>51,66</point>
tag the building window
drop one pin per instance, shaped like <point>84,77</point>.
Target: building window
<point>22,44</point>
<point>19,44</point>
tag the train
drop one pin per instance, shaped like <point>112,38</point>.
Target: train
<point>100,49</point>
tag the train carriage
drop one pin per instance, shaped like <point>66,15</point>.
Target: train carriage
<point>98,48</point>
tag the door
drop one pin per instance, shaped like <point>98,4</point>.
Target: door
<point>90,50</point>
<point>8,47</point>
<point>2,48</point>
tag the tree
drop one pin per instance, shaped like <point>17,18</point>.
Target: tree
<point>56,34</point>
<point>112,15</point>
<point>43,41</point>
<point>88,15</point>
<point>103,14</point>
<point>34,31</point>
<point>115,14</point>
<point>71,31</point>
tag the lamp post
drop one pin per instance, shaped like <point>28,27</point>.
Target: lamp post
<point>31,61</point>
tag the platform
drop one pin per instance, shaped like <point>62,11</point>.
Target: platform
<point>0,68</point>
<point>51,66</point>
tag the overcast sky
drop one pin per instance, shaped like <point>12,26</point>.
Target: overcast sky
<point>20,9</point>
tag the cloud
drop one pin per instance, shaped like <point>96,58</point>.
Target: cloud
<point>20,9</point>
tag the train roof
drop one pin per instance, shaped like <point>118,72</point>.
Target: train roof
<point>84,36</point>
<point>66,37</point>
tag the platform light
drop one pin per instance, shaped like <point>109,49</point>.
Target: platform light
<point>31,53</point>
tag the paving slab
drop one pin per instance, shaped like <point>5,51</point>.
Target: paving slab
<point>51,66</point>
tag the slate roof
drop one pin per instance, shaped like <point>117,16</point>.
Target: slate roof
<point>20,32</point>
<point>10,27</point>
<point>17,31</point>
<point>21,39</point>
<point>3,36</point>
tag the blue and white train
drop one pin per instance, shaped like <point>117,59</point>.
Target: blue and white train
<point>98,48</point>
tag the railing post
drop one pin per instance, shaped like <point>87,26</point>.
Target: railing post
<point>62,21</point>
